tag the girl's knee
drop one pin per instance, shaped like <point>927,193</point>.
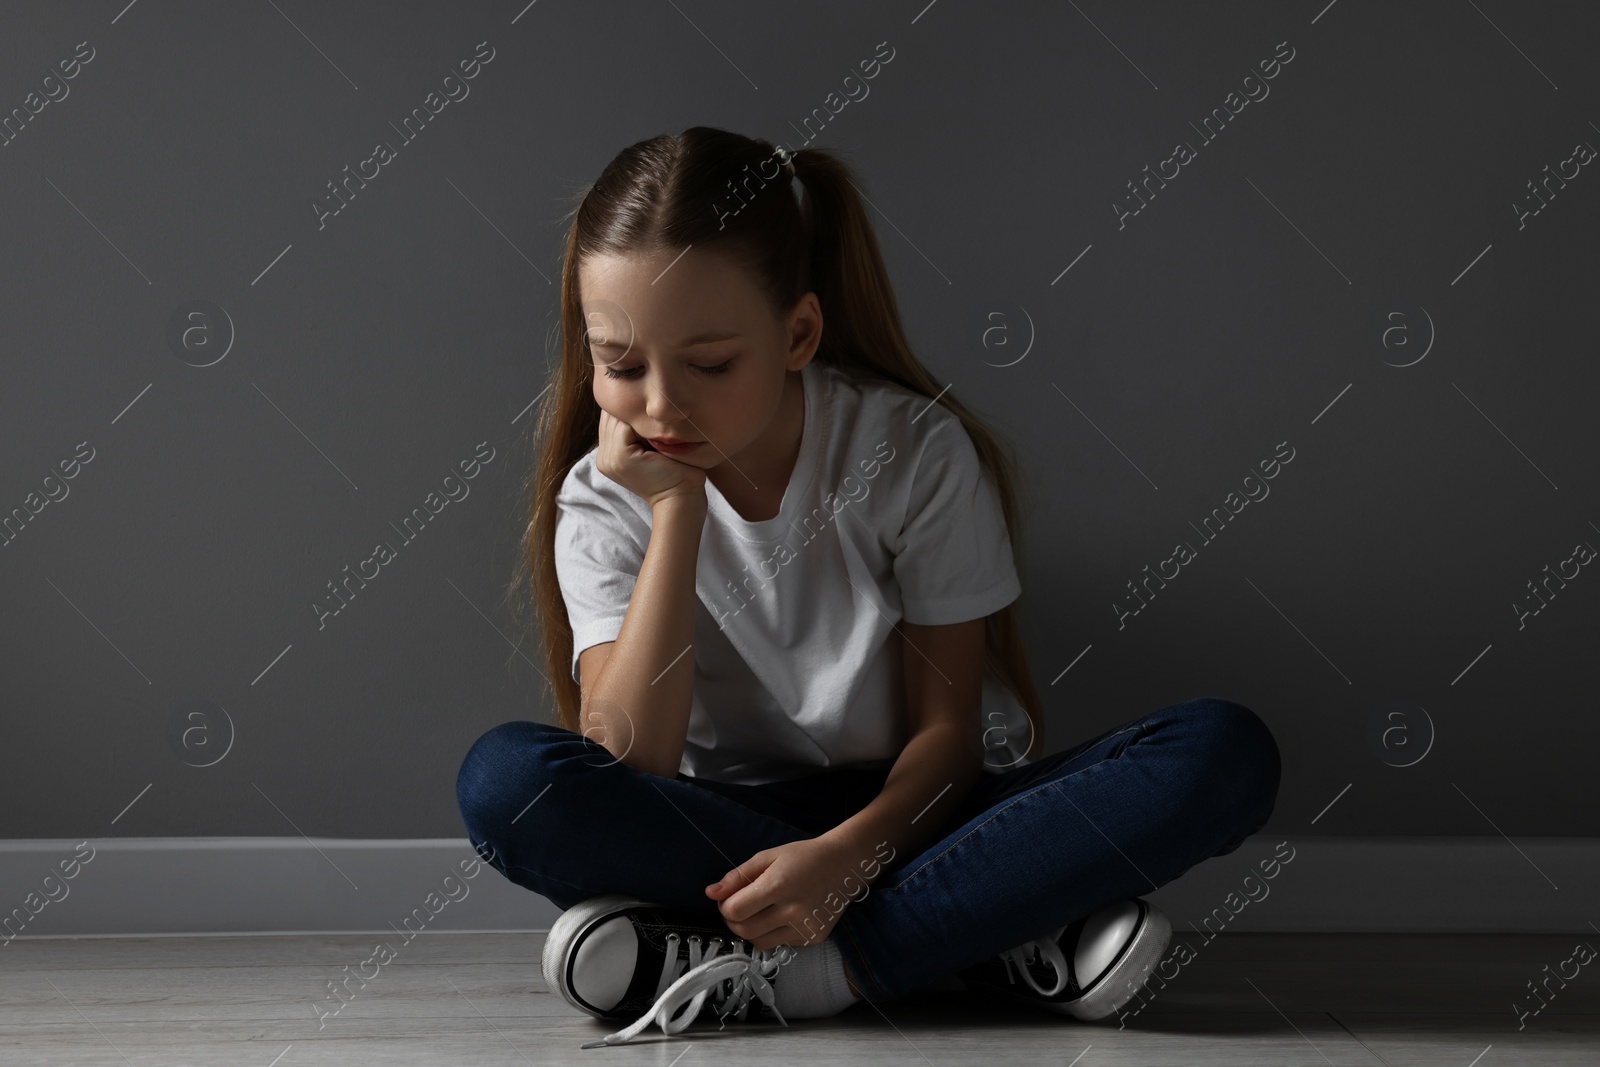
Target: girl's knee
<point>1239,754</point>
<point>505,763</point>
<point>1241,730</point>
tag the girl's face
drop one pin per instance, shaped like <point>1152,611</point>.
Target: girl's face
<point>685,346</point>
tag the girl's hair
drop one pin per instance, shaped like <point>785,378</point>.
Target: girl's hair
<point>723,191</point>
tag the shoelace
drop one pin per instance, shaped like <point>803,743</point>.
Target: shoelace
<point>678,1002</point>
<point>1048,949</point>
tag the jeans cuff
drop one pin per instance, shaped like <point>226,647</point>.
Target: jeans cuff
<point>860,970</point>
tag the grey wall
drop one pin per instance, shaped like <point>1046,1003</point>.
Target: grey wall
<point>369,353</point>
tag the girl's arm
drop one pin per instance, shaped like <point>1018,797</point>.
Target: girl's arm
<point>638,705</point>
<point>941,762</point>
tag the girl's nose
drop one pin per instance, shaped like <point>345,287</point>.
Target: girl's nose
<point>663,409</point>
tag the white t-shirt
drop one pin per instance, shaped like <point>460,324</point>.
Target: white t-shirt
<point>888,515</point>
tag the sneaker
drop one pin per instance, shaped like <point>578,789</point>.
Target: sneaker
<point>616,957</point>
<point>1088,968</point>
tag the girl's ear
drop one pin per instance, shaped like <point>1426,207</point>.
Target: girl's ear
<point>804,330</point>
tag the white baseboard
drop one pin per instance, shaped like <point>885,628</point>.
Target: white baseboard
<point>250,885</point>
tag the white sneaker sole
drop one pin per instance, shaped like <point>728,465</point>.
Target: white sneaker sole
<point>1122,981</point>
<point>563,937</point>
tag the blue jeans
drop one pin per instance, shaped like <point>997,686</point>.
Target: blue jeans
<point>1030,849</point>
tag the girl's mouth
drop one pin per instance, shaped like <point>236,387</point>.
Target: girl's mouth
<point>669,447</point>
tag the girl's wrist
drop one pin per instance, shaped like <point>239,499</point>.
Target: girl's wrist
<point>852,850</point>
<point>680,500</point>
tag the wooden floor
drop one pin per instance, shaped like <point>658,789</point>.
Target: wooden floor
<point>1242,1000</point>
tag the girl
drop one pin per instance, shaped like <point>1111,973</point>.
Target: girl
<point>773,561</point>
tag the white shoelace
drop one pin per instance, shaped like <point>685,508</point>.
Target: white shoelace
<point>678,1001</point>
<point>1048,949</point>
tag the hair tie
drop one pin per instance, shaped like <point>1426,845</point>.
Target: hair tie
<point>796,186</point>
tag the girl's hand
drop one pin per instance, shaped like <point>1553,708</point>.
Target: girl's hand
<point>628,460</point>
<point>792,894</point>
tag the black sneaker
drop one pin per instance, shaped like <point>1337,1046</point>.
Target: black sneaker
<point>1088,968</point>
<point>616,957</point>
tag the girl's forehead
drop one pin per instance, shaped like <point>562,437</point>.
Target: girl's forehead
<point>673,291</point>
<point>655,267</point>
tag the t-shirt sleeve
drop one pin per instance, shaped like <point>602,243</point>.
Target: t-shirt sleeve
<point>597,562</point>
<point>953,555</point>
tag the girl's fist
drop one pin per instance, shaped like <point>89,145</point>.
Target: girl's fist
<point>627,459</point>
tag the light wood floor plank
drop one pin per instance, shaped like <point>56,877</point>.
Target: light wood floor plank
<point>1244,1000</point>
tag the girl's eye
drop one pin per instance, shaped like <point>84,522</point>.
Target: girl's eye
<point>633,372</point>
